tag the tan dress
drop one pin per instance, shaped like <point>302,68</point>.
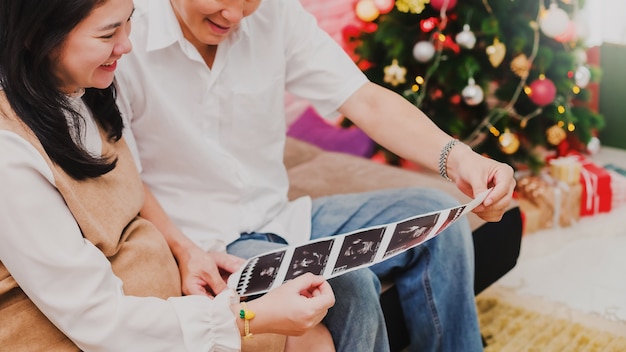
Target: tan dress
<point>106,210</point>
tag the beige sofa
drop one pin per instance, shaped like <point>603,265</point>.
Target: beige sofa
<point>315,172</point>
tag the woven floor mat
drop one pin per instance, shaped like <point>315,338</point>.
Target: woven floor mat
<point>510,322</point>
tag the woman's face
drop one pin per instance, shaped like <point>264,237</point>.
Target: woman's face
<point>88,57</point>
<point>209,22</point>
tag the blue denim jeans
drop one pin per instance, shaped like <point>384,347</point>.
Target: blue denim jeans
<point>356,321</point>
<point>435,280</point>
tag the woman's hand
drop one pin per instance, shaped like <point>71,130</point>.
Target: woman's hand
<point>293,308</point>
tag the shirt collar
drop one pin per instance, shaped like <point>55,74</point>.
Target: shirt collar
<point>164,30</point>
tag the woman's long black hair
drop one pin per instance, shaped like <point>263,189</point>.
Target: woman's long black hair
<point>30,30</point>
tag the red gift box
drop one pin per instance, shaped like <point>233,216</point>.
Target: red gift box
<point>596,193</point>
<point>596,196</point>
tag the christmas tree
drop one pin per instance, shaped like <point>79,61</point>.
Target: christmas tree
<point>508,77</point>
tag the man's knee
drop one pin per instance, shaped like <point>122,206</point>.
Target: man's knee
<point>434,198</point>
<point>357,313</point>
<point>359,282</point>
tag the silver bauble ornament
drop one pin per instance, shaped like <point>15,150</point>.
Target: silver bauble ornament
<point>554,21</point>
<point>594,145</point>
<point>466,38</point>
<point>423,51</point>
<point>582,76</point>
<point>472,94</point>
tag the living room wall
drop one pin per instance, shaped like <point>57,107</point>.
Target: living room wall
<point>612,94</point>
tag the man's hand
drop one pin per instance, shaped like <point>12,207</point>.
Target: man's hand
<point>474,174</point>
<point>202,272</point>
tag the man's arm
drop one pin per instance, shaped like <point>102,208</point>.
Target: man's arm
<point>199,270</point>
<point>402,128</point>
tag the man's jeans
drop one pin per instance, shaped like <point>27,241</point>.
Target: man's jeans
<point>434,280</point>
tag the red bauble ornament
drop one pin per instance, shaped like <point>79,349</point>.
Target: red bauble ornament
<point>365,65</point>
<point>350,32</point>
<point>563,148</point>
<point>542,91</point>
<point>428,24</point>
<point>369,27</point>
<point>438,4</point>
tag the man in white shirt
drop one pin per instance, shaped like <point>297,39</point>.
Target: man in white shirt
<point>203,89</point>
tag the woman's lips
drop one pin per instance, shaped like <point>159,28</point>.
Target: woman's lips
<point>109,67</point>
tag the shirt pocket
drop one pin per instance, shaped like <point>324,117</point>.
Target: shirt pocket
<point>259,112</point>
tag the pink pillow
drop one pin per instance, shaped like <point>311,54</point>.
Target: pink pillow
<point>332,15</point>
<point>311,127</point>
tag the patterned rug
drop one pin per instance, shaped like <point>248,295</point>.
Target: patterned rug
<point>514,323</point>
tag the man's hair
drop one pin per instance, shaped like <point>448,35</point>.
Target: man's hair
<point>30,32</point>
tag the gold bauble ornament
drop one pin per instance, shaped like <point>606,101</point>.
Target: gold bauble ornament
<point>412,6</point>
<point>520,65</point>
<point>496,52</point>
<point>555,135</point>
<point>509,142</point>
<point>394,73</point>
<point>366,10</point>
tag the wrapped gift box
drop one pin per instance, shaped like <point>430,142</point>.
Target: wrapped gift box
<point>595,180</point>
<point>618,185</point>
<point>618,189</point>
<point>615,168</point>
<point>565,169</point>
<point>534,219</point>
<point>548,203</point>
<point>596,189</point>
